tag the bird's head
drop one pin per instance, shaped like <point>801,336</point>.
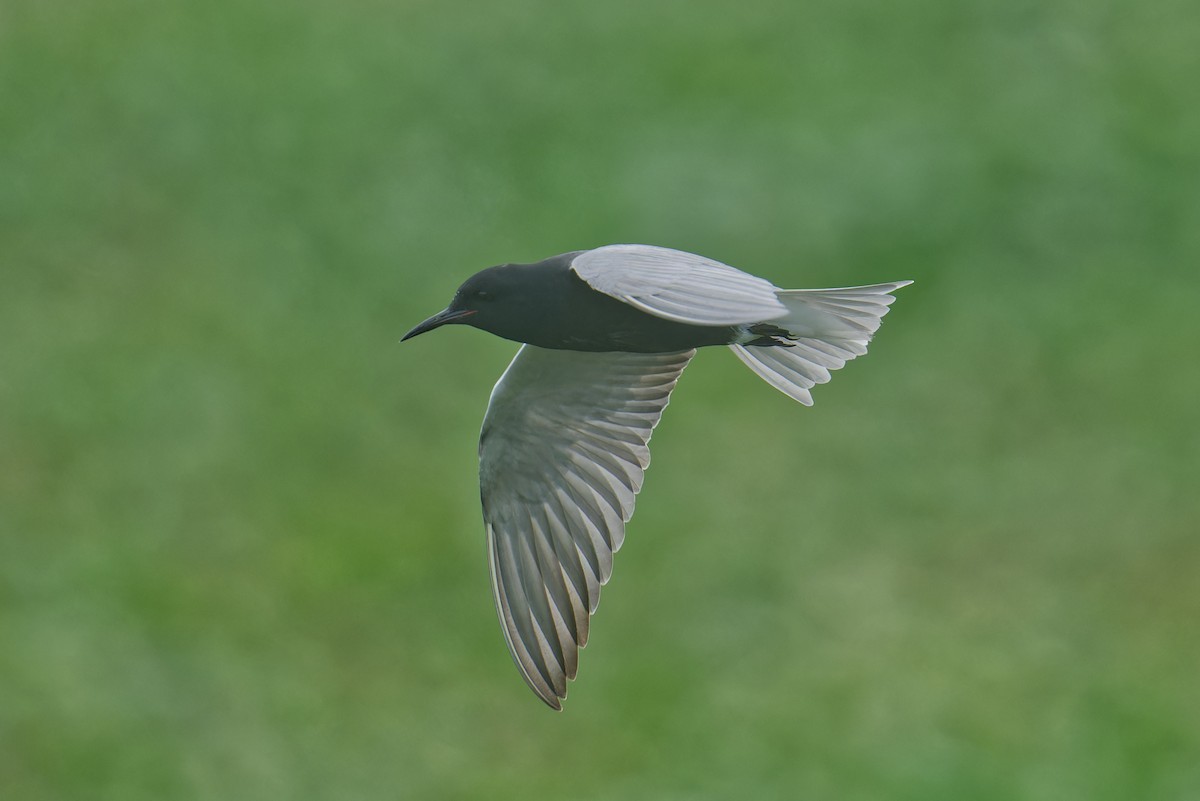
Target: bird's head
<point>486,300</point>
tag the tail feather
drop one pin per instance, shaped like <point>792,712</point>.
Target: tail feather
<point>825,329</point>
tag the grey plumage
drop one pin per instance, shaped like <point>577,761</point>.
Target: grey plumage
<point>565,441</point>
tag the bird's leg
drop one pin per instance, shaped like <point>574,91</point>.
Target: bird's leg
<point>770,336</point>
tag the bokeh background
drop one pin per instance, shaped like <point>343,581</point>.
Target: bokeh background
<point>241,553</point>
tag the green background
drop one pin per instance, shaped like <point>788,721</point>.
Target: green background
<point>241,554</point>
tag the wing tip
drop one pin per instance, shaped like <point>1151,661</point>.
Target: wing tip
<point>552,699</point>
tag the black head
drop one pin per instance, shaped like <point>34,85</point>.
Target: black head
<point>495,300</point>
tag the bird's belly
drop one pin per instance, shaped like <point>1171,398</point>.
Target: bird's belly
<point>652,335</point>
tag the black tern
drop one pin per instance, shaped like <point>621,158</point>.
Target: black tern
<point>606,334</point>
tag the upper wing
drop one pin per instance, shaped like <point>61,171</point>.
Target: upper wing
<point>678,286</point>
<point>561,457</point>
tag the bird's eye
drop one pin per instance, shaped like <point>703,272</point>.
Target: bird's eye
<point>482,294</point>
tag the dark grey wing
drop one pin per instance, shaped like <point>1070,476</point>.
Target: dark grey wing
<point>561,458</point>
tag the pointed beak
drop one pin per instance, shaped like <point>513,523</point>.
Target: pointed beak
<point>436,321</point>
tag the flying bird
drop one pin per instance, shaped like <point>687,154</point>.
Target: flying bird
<point>606,333</point>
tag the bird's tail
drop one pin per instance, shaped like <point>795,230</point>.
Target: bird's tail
<point>823,329</point>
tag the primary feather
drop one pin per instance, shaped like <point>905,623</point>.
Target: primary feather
<point>561,458</point>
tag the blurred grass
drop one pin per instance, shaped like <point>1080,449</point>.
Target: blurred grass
<point>240,548</point>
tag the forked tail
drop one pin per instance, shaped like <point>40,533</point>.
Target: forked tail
<point>823,329</point>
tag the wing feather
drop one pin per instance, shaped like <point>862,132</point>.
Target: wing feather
<point>678,286</point>
<point>562,457</point>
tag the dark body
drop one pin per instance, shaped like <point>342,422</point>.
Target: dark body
<point>547,304</point>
